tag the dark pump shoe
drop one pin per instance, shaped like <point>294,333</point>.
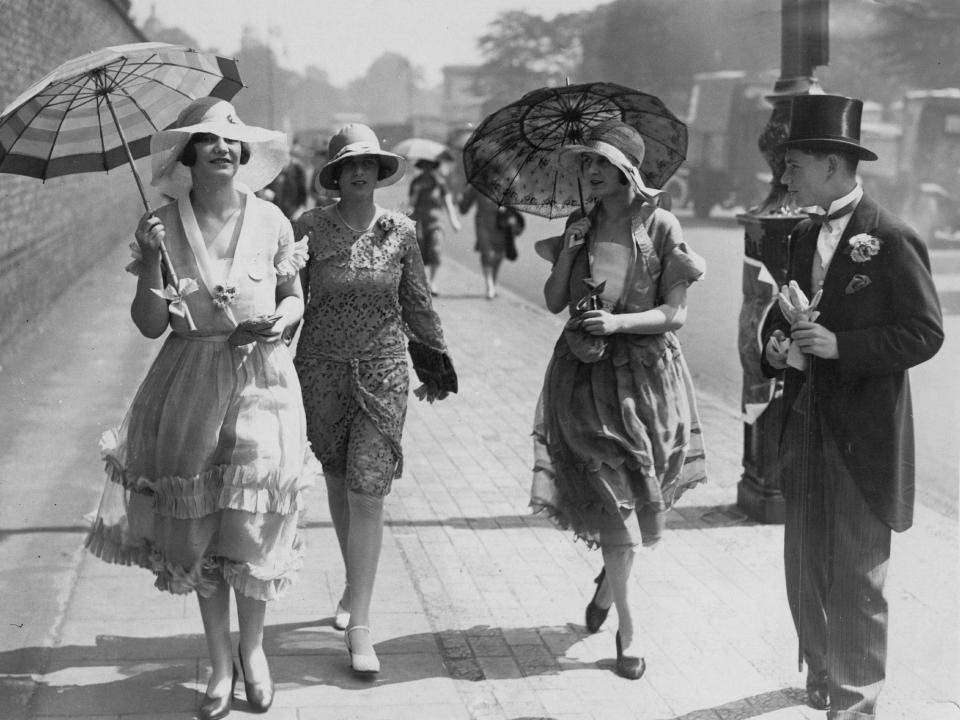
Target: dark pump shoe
<point>259,695</point>
<point>632,668</point>
<point>818,696</point>
<point>596,615</point>
<point>216,708</point>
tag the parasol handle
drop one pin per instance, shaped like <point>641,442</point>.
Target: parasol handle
<point>583,209</point>
<point>174,278</point>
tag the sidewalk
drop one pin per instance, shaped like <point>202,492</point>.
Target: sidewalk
<point>478,612</point>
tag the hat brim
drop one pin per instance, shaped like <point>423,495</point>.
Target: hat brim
<point>395,165</point>
<point>569,159</point>
<point>269,153</point>
<point>814,144</point>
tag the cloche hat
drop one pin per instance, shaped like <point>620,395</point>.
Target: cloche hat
<point>619,143</point>
<point>353,140</point>
<point>825,122</point>
<point>269,151</point>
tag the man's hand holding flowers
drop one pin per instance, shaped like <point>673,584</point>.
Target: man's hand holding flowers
<point>807,337</point>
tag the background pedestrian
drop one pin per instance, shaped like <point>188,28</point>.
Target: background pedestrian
<point>496,229</point>
<point>430,200</point>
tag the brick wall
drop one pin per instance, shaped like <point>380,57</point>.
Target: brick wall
<point>51,232</point>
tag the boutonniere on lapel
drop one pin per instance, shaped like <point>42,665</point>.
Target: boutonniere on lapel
<point>858,282</point>
<point>863,247</point>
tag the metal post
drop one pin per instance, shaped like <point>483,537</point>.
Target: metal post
<point>804,46</point>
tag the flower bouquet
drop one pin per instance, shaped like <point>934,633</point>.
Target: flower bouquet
<point>796,307</point>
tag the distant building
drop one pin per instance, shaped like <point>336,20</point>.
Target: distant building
<point>463,98</point>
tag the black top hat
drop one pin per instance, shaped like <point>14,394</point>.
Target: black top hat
<point>824,122</point>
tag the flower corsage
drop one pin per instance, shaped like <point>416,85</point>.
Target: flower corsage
<point>863,247</point>
<point>224,295</point>
<point>387,223</point>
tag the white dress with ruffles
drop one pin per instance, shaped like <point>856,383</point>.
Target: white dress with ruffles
<point>205,474</point>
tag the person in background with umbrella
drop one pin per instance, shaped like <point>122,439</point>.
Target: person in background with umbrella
<point>846,446</point>
<point>429,200</point>
<point>366,290</point>
<point>496,228</point>
<point>617,434</point>
<point>205,477</point>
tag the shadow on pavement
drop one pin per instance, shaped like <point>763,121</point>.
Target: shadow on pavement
<point>121,674</point>
<point>750,707</point>
<point>687,517</point>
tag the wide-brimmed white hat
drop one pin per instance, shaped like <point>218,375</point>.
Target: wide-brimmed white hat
<point>269,151</point>
<point>354,140</point>
<point>619,143</point>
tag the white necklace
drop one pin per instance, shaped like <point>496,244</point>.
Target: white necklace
<point>351,228</point>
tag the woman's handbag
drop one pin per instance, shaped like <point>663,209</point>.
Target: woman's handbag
<point>511,224</point>
<point>587,347</point>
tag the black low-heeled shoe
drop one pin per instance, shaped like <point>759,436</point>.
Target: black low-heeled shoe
<point>632,668</point>
<point>259,695</point>
<point>215,708</point>
<point>597,615</point>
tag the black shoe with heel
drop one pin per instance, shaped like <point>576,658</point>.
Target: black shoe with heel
<point>215,708</point>
<point>632,668</point>
<point>259,695</point>
<point>596,615</point>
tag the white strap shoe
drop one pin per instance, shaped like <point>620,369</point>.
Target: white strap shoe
<point>341,617</point>
<point>361,663</point>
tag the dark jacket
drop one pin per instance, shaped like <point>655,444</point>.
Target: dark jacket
<point>886,316</point>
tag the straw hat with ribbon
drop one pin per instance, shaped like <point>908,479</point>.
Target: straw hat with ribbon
<point>269,151</point>
<point>354,140</point>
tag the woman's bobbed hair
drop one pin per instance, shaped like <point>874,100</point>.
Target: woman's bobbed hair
<point>188,156</point>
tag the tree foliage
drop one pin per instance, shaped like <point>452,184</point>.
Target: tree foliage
<point>524,51</point>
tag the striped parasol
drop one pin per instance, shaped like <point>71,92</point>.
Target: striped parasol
<point>98,111</point>
<point>93,111</point>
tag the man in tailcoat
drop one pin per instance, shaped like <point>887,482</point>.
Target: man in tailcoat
<point>846,446</point>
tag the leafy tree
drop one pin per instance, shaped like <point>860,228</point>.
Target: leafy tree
<point>524,51</point>
<point>386,93</point>
<point>658,45</point>
<point>920,41</point>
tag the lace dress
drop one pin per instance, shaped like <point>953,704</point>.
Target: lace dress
<point>368,303</point>
<point>617,441</point>
<point>204,473</point>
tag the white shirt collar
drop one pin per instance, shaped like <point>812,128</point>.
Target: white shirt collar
<point>830,233</point>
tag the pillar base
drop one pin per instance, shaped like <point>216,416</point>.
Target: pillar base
<point>758,503</point>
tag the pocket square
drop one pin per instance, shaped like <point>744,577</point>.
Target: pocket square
<point>859,282</point>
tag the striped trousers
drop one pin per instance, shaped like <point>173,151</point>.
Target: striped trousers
<point>835,574</point>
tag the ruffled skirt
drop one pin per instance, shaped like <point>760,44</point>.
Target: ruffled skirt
<point>205,474</point>
<point>617,441</point>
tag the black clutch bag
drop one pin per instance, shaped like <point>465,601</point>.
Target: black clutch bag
<point>588,348</point>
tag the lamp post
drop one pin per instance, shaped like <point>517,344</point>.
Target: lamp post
<point>803,46</point>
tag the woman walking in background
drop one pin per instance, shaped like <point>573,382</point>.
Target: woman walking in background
<point>366,289</point>
<point>204,475</point>
<point>496,227</point>
<point>617,436</point>
<point>429,201</point>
